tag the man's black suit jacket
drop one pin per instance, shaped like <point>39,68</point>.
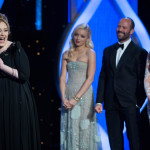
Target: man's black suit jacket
<point>126,81</point>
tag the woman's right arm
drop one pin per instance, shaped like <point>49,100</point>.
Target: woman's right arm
<point>63,77</point>
<point>63,82</point>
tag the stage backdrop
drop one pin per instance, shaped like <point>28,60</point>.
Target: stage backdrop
<point>103,17</point>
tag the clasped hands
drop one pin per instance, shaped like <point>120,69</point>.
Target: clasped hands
<point>69,104</point>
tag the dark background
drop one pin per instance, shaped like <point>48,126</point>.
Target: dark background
<point>42,48</point>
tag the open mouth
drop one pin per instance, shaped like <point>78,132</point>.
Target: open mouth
<point>2,39</point>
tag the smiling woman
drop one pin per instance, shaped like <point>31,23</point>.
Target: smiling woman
<point>4,31</point>
<point>18,116</point>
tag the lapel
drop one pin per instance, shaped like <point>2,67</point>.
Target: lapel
<point>113,57</point>
<point>125,55</point>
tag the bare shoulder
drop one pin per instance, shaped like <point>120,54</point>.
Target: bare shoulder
<point>65,54</point>
<point>91,52</point>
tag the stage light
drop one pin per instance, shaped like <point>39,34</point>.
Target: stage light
<point>1,3</point>
<point>38,53</point>
<point>38,18</point>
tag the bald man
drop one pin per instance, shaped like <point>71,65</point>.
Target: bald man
<point>121,87</point>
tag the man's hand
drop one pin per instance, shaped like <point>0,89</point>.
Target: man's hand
<point>98,108</point>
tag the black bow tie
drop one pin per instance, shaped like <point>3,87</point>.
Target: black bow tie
<point>120,46</point>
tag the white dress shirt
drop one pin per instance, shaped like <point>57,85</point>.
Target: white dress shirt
<point>120,51</point>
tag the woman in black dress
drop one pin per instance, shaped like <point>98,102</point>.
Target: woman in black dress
<point>19,126</point>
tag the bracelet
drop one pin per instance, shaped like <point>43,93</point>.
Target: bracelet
<point>76,98</point>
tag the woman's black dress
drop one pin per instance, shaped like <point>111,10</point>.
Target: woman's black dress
<point>19,126</point>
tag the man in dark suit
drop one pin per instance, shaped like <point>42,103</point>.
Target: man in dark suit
<point>121,87</point>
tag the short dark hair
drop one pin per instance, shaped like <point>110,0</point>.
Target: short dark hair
<point>132,22</point>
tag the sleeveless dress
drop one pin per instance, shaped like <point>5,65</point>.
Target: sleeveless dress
<point>79,125</point>
<point>19,129</point>
<point>147,85</point>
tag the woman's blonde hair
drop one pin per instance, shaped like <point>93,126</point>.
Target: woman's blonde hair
<point>88,43</point>
<point>4,19</point>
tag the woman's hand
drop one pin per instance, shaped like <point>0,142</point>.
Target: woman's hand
<point>66,104</point>
<point>72,102</point>
<point>1,63</point>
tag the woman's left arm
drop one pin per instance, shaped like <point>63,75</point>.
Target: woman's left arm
<point>22,63</point>
<point>147,78</point>
<point>147,84</point>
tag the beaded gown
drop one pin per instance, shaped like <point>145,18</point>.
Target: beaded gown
<point>78,125</point>
<point>147,84</point>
